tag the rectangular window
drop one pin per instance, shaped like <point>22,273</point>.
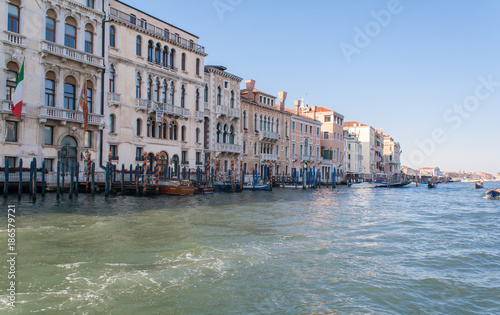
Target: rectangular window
<point>11,128</point>
<point>113,149</point>
<point>69,96</point>
<point>301,149</point>
<point>326,135</point>
<point>293,125</point>
<point>12,161</point>
<point>138,154</point>
<point>317,131</point>
<point>183,157</point>
<point>49,164</point>
<point>328,118</point>
<point>132,19</point>
<point>198,158</point>
<point>90,3</point>
<point>49,135</point>
<point>50,30</point>
<point>89,42</point>
<point>13,19</point>
<point>70,36</point>
<point>11,84</point>
<point>301,127</point>
<point>50,92</point>
<point>293,148</point>
<point>88,139</point>
<point>89,100</point>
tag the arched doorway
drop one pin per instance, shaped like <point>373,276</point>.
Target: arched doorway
<point>163,163</point>
<point>151,161</point>
<point>175,164</point>
<point>68,152</point>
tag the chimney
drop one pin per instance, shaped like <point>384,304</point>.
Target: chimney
<point>250,84</point>
<point>282,97</point>
<point>315,108</point>
<point>297,105</point>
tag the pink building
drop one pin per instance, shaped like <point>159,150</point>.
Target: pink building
<point>305,142</point>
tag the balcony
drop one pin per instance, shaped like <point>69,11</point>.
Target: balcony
<point>325,161</point>
<point>269,135</point>
<point>228,148</point>
<point>7,107</point>
<point>176,111</point>
<point>307,158</point>
<point>69,115</point>
<point>268,157</point>
<point>295,157</point>
<point>73,54</point>
<point>234,113</point>
<point>114,99</point>
<point>13,38</point>
<point>125,18</point>
<point>199,116</point>
<point>141,104</point>
<point>221,110</point>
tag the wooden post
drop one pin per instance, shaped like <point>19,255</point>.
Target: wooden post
<point>107,181</point>
<point>71,179</point>
<point>20,191</point>
<point>123,178</point>
<point>63,175</point>
<point>157,173</point>
<point>89,171</point>
<point>131,171</point>
<point>93,177</point>
<point>58,176</point>
<point>43,178</point>
<point>34,179</point>
<point>6,179</point>
<point>137,179</point>
<point>144,172</point>
<point>77,175</point>
<point>31,178</point>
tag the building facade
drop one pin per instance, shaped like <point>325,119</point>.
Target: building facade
<point>266,131</point>
<point>392,156</point>
<point>372,147</point>
<point>222,123</point>
<point>59,43</point>
<point>353,156</point>
<point>154,90</point>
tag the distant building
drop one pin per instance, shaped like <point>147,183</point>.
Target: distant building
<point>372,147</point>
<point>392,156</point>
<point>353,155</point>
<point>430,171</point>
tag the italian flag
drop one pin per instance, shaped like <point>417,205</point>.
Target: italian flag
<point>17,98</point>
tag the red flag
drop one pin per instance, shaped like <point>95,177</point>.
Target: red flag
<point>84,105</point>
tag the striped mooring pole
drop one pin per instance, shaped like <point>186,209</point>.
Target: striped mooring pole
<point>157,173</point>
<point>144,171</point>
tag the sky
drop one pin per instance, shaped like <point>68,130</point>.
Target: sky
<point>426,72</point>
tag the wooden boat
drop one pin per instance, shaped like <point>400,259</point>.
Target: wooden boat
<point>431,185</point>
<point>203,189</point>
<point>176,187</point>
<point>493,194</point>
<point>478,185</point>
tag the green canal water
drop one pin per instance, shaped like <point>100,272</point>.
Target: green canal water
<point>290,251</point>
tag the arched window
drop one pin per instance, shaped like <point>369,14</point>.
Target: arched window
<point>255,149</point>
<point>150,83</point>
<point>165,134</point>
<point>50,89</point>
<point>255,126</point>
<point>90,96</point>
<point>70,33</point>
<point>219,131</point>
<point>148,127</point>
<point>244,147</point>
<point>198,135</point>
<point>269,123</point>
<point>12,73</point>
<point>165,56</point>
<point>272,125</point>
<point>245,120</point>
<point>205,95</point>
<point>89,39</point>
<point>278,125</point>
<point>50,26</point>
<point>158,54</point>
<point>183,95</point>
<point>153,127</point>
<point>160,130</point>
<point>164,92</point>
<point>166,33</point>
<point>138,127</point>
<point>232,99</point>
<point>183,133</point>
<point>286,128</point>
<point>69,93</point>
<point>225,138</point>
<point>112,36</point>
<point>13,16</point>
<point>219,96</point>
<point>111,79</point>
<point>172,58</point>
<point>197,101</point>
<point>138,85</point>
<point>157,90</point>
<point>197,66</point>
<point>150,50</point>
<point>112,121</point>
<point>183,62</point>
<point>231,134</point>
<point>138,46</point>
<point>172,93</point>
<point>261,123</point>
<point>172,130</point>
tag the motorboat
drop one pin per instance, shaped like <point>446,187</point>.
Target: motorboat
<point>493,194</point>
<point>364,185</point>
<point>176,187</point>
<point>479,185</point>
<point>257,184</point>
<point>431,185</point>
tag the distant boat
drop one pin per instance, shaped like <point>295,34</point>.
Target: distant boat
<point>478,185</point>
<point>257,184</point>
<point>364,185</point>
<point>203,189</point>
<point>493,194</point>
<point>176,187</point>
<point>431,185</point>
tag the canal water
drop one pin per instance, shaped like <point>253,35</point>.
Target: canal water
<point>290,251</point>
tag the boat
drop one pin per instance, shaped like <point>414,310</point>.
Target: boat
<point>478,185</point>
<point>176,187</point>
<point>257,184</point>
<point>493,194</point>
<point>431,185</point>
<point>364,185</point>
<point>203,189</point>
